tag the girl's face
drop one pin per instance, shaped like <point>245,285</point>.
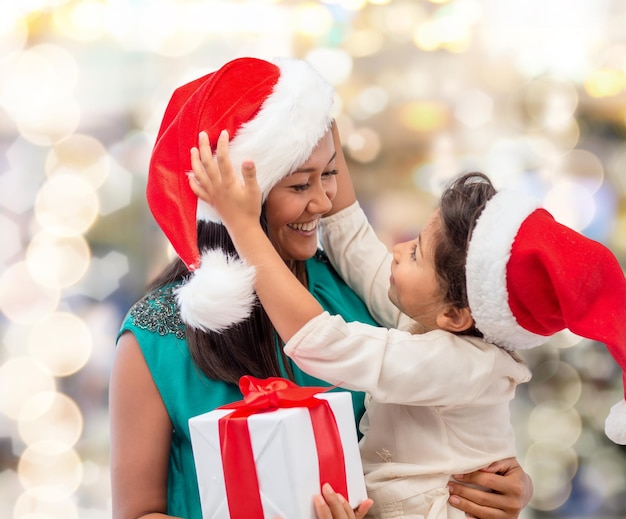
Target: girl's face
<point>413,286</point>
<point>295,205</point>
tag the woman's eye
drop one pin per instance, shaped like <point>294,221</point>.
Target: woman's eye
<point>300,187</point>
<point>331,173</point>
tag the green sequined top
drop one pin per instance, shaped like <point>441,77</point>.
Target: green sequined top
<point>187,392</point>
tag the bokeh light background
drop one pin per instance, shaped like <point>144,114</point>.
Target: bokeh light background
<point>533,92</point>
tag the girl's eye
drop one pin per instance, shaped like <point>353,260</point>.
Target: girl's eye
<point>413,250</point>
<point>331,173</point>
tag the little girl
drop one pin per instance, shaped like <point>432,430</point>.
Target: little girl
<point>439,393</point>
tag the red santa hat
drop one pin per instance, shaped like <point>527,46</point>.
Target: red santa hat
<point>275,114</point>
<point>529,277</point>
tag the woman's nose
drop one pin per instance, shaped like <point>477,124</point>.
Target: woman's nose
<point>321,201</point>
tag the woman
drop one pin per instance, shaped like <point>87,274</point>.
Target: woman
<point>184,346</point>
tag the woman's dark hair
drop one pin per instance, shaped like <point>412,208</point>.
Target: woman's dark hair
<point>460,206</point>
<point>247,348</point>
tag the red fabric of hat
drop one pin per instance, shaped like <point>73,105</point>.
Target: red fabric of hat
<point>222,100</point>
<point>275,114</point>
<point>543,277</point>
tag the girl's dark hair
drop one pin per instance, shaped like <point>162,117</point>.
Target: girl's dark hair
<point>247,348</point>
<point>460,206</point>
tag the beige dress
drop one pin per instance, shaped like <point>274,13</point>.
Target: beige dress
<point>438,403</point>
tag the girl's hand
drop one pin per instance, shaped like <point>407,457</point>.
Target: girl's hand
<point>214,181</point>
<point>511,489</point>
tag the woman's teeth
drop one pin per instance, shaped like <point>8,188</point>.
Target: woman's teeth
<point>309,226</point>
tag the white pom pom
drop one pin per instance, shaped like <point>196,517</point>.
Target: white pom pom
<point>219,294</point>
<point>615,425</point>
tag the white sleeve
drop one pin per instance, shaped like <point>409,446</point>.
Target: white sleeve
<point>363,262</point>
<point>435,368</point>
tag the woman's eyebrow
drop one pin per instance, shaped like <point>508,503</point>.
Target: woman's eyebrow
<point>311,169</point>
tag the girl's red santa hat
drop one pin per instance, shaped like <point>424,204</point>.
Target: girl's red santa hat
<point>275,114</point>
<point>529,277</point>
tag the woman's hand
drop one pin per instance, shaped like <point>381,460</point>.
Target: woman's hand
<point>331,505</point>
<point>511,489</point>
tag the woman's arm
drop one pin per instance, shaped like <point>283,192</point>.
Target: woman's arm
<point>140,437</point>
<point>511,491</point>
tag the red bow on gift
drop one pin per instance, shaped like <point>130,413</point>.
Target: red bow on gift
<point>267,395</point>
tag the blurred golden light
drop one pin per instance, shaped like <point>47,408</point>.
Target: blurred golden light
<point>449,28</point>
<point>557,455</point>
<point>57,262</point>
<point>44,128</point>
<point>36,503</point>
<point>311,19</point>
<point>83,20</point>
<point>368,102</point>
<point>80,154</point>
<point>398,20</point>
<point>563,385</point>
<point>565,339</point>
<point>22,298</point>
<point>364,42</point>
<point>551,142</point>
<point>13,31</point>
<point>425,116</point>
<point>36,79</point>
<point>551,103</point>
<point>555,424</point>
<point>571,204</point>
<point>364,145</point>
<point>426,36</point>
<point>474,108</point>
<point>50,416</point>
<point>20,379</point>
<point>37,93</point>
<point>581,167</point>
<point>349,5</point>
<point>11,242</point>
<point>605,83</point>
<point>52,466</point>
<point>174,30</point>
<point>62,343</point>
<point>335,65</point>
<point>551,471</point>
<point>66,205</point>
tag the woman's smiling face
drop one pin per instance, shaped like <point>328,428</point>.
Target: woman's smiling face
<point>294,206</point>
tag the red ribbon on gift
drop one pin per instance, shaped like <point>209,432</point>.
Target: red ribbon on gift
<point>266,395</point>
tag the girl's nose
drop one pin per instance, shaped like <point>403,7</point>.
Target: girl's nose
<point>397,251</point>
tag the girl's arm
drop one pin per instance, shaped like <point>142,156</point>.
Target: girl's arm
<point>140,436</point>
<point>287,302</point>
<point>346,195</point>
<point>355,251</point>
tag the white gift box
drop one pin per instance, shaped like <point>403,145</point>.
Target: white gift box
<point>285,457</point>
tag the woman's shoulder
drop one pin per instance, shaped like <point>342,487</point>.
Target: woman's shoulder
<point>157,312</point>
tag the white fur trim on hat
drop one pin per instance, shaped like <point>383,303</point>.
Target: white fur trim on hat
<point>615,424</point>
<point>219,294</point>
<point>286,129</point>
<point>487,256</point>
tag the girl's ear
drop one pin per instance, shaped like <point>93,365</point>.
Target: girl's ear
<point>454,319</point>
